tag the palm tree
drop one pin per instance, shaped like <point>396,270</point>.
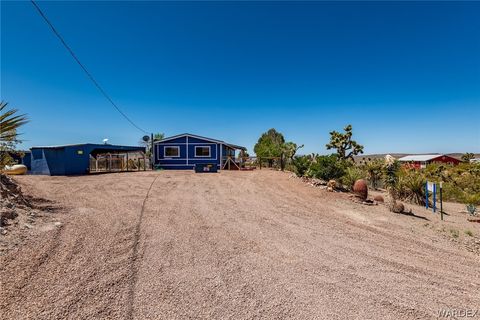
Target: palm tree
<point>10,122</point>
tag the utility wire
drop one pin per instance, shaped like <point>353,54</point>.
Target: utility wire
<point>89,75</point>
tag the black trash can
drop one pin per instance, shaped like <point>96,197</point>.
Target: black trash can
<point>205,167</point>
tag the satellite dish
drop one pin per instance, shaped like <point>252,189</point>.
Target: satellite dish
<point>146,138</point>
<point>105,141</point>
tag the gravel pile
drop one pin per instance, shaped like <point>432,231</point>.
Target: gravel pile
<point>19,214</point>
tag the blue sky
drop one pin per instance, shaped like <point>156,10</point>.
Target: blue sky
<point>405,75</point>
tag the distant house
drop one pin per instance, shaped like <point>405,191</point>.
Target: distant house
<point>421,161</point>
<point>184,151</point>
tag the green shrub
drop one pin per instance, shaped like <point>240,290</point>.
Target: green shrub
<point>374,171</point>
<point>301,165</point>
<point>327,167</point>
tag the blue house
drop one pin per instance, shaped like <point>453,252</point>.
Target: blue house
<point>72,159</point>
<point>184,151</point>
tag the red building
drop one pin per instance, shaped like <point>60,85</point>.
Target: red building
<point>421,161</point>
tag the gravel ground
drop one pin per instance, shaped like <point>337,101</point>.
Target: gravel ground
<point>239,245</point>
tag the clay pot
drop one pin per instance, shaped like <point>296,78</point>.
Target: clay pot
<point>378,198</point>
<point>360,189</point>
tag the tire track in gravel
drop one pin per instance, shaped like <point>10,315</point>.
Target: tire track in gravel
<point>134,259</point>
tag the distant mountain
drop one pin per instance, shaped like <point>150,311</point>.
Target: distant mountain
<point>399,155</point>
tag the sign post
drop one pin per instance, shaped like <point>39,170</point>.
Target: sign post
<point>431,187</point>
<point>441,201</point>
<point>426,195</point>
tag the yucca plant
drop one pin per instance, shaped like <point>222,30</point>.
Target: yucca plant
<point>351,175</point>
<point>411,186</point>
<point>10,121</point>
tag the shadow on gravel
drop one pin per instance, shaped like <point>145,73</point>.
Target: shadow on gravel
<point>44,204</point>
<point>411,214</point>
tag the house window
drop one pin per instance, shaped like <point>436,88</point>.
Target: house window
<point>202,151</point>
<point>171,152</point>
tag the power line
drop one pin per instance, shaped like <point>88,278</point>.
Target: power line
<point>89,75</point>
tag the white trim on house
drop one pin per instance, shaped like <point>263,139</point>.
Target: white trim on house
<point>190,143</point>
<point>198,137</point>
<point>188,135</point>
<point>169,157</point>
<point>209,151</point>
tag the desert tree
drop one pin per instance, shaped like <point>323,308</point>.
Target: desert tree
<point>270,145</point>
<point>467,156</point>
<point>344,144</point>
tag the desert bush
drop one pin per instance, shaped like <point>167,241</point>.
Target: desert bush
<point>301,164</point>
<point>411,186</point>
<point>373,170</point>
<point>327,167</point>
<point>459,182</point>
<point>352,174</point>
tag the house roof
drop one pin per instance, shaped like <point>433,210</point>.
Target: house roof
<point>420,157</point>
<point>95,145</point>
<point>233,146</point>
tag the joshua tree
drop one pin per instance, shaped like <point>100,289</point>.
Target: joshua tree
<point>343,143</point>
<point>391,168</point>
<point>467,156</point>
<point>10,121</point>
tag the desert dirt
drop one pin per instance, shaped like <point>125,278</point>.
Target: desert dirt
<point>232,245</point>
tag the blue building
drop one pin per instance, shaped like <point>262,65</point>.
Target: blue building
<point>73,159</point>
<point>184,151</point>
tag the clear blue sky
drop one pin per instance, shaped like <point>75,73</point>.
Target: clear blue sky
<point>405,75</point>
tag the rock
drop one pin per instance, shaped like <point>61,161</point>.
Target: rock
<point>27,226</point>
<point>57,224</point>
<point>3,231</point>
<point>8,214</point>
<point>378,198</point>
<point>360,189</point>
<point>331,185</point>
<point>398,207</point>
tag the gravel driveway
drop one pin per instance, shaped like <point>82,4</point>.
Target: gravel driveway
<point>238,245</point>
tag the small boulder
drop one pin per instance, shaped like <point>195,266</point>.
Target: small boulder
<point>398,207</point>
<point>379,198</point>
<point>360,189</point>
<point>331,185</point>
<point>8,214</point>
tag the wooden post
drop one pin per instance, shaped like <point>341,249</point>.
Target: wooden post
<point>127,161</point>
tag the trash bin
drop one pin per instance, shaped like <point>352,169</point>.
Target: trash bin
<point>205,167</point>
